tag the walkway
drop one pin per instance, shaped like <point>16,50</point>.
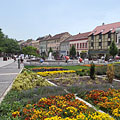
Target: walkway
<point>8,72</point>
<point>3,63</point>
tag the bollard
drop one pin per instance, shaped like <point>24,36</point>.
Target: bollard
<point>18,63</point>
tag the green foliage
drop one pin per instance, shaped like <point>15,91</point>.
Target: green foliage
<point>72,51</point>
<point>11,46</point>
<point>56,54</point>
<point>50,50</point>
<point>92,71</point>
<point>83,54</point>
<point>8,45</point>
<point>110,73</point>
<point>30,50</point>
<point>101,70</point>
<point>1,49</point>
<point>107,57</point>
<point>82,72</point>
<point>113,50</point>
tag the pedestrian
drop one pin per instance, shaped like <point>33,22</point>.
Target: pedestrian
<point>21,59</point>
<point>66,58</point>
<point>41,60</point>
<point>14,58</point>
<point>80,60</point>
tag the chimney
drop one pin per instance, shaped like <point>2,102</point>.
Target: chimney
<point>103,23</point>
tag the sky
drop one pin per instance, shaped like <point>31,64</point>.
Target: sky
<point>30,19</point>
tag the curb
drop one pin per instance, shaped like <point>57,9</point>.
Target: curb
<point>9,87</point>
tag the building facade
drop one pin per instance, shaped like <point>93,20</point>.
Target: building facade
<point>101,37</point>
<point>43,43</point>
<point>118,39</point>
<point>54,42</point>
<point>80,41</point>
<point>35,44</point>
<point>65,47</point>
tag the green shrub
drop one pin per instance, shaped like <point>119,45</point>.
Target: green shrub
<point>110,72</point>
<point>101,70</point>
<point>92,71</point>
<point>82,72</point>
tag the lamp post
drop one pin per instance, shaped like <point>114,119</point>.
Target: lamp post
<point>18,63</point>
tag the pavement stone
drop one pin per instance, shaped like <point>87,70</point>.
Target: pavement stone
<point>4,63</point>
<point>8,73</point>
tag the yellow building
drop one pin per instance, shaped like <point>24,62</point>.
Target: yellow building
<point>101,37</point>
<point>54,42</point>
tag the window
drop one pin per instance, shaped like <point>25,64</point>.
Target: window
<point>109,42</point>
<point>92,37</point>
<point>83,45</point>
<point>91,44</point>
<point>77,45</point>
<point>86,45</point>
<point>100,36</point>
<point>100,43</point>
<point>119,39</point>
<point>80,45</point>
<point>109,34</point>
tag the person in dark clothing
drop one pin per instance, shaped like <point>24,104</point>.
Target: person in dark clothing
<point>21,59</point>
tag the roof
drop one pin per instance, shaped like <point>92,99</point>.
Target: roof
<point>44,38</point>
<point>79,36</point>
<point>57,36</point>
<point>67,39</point>
<point>105,28</point>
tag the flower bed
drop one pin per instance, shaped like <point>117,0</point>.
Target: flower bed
<point>30,80</point>
<point>88,65</point>
<point>108,101</point>
<point>43,69</point>
<point>59,108</point>
<point>72,79</point>
<point>49,73</point>
<point>16,100</point>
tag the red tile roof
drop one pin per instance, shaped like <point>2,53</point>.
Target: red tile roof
<point>57,36</point>
<point>44,38</point>
<point>79,36</point>
<point>105,28</point>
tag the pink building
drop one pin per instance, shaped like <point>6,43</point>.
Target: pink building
<point>80,41</point>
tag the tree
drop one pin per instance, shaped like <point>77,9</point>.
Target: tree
<point>56,54</point>
<point>8,45</point>
<point>29,50</point>
<point>11,46</point>
<point>92,71</point>
<point>1,38</point>
<point>83,54</point>
<point>72,51</point>
<point>113,50</point>
<point>50,50</point>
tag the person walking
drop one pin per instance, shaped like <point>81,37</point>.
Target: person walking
<point>14,58</point>
<point>21,59</point>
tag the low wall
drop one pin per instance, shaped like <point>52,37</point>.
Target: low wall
<point>53,63</point>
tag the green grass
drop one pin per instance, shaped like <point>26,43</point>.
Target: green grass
<point>65,67</point>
